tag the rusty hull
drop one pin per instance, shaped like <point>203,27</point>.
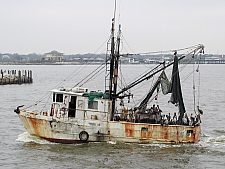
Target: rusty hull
<point>154,133</point>
<point>63,130</point>
<point>67,130</point>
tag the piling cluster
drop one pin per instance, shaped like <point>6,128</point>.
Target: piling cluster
<point>15,77</point>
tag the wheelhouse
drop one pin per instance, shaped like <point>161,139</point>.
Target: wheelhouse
<point>79,103</point>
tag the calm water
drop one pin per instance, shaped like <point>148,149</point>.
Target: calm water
<point>20,150</point>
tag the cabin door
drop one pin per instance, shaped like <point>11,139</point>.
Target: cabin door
<point>72,106</point>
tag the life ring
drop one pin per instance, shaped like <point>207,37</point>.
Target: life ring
<point>83,136</point>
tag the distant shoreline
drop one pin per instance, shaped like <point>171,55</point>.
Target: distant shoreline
<point>63,63</point>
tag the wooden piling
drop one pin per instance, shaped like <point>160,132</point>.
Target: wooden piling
<point>15,77</point>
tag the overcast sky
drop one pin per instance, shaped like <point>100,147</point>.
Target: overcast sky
<point>82,26</point>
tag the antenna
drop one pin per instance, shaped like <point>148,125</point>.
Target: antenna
<point>114,11</point>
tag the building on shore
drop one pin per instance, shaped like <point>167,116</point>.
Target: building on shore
<point>54,56</point>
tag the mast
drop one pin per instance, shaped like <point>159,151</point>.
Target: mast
<point>112,58</point>
<point>113,73</point>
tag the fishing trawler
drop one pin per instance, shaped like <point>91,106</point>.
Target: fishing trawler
<point>80,115</point>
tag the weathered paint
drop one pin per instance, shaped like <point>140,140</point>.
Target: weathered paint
<point>67,130</point>
<point>144,133</point>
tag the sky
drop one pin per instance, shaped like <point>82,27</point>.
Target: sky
<point>83,26</point>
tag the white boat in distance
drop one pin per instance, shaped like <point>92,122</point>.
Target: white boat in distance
<point>79,115</point>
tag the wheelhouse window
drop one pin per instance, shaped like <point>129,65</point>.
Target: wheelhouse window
<point>80,104</point>
<point>93,105</point>
<point>59,97</point>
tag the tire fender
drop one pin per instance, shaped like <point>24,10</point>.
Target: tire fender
<point>83,136</point>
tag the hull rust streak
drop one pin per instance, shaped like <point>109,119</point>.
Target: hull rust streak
<point>66,131</point>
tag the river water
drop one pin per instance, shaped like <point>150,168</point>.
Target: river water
<point>20,150</point>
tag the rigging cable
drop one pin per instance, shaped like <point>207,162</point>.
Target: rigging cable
<point>69,76</point>
<point>94,73</point>
<point>119,13</point>
<point>91,74</point>
<point>84,63</point>
<point>188,62</point>
<point>74,75</point>
<point>191,59</point>
<point>89,64</point>
<point>197,70</point>
<point>127,44</point>
<point>194,84</point>
<point>46,103</point>
<point>168,51</point>
<point>139,101</point>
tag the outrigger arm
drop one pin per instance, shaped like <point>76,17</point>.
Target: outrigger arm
<point>157,69</point>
